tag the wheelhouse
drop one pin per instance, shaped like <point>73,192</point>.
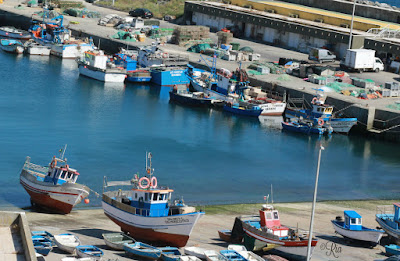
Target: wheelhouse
<point>352,220</point>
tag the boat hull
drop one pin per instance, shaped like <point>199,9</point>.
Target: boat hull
<point>13,48</point>
<point>38,50</point>
<point>272,108</point>
<point>170,230</point>
<point>372,236</point>
<point>19,34</point>
<point>189,100</point>
<point>102,75</point>
<point>242,112</point>
<point>291,247</point>
<point>392,249</point>
<point>169,77</point>
<point>70,51</point>
<point>339,125</point>
<point>381,219</point>
<point>138,79</point>
<point>56,198</point>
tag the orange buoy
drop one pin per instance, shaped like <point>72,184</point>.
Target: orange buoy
<point>87,201</point>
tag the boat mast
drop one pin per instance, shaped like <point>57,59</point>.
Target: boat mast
<point>63,152</point>
<point>313,205</point>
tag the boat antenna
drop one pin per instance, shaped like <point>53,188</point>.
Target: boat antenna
<point>149,170</point>
<point>266,199</point>
<point>62,152</point>
<point>272,195</point>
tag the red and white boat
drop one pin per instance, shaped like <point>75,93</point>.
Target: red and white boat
<point>146,213</point>
<point>53,187</point>
<point>267,230</point>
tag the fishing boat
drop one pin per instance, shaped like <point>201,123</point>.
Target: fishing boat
<point>232,255</point>
<point>89,251</point>
<point>146,212</point>
<point>243,109</point>
<point>53,187</point>
<point>195,251</point>
<point>233,87</point>
<point>12,32</point>
<point>12,46</point>
<point>306,127</point>
<point>170,254</point>
<point>117,240</point>
<point>128,61</point>
<point>139,76</point>
<point>95,64</point>
<point>45,234</point>
<point>53,33</point>
<point>266,228</point>
<point>320,110</point>
<point>42,245</point>
<point>212,255</point>
<point>67,242</point>
<point>392,249</point>
<point>352,228</point>
<point>142,250</point>
<point>189,258</point>
<point>15,239</point>
<point>196,99</point>
<point>33,48</point>
<point>166,69</point>
<point>225,234</point>
<point>389,220</point>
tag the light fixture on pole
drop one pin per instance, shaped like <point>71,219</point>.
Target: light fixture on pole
<point>313,206</point>
<point>352,21</point>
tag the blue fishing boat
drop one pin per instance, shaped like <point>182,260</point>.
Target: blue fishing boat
<point>320,110</point>
<point>392,249</point>
<point>196,99</point>
<point>232,255</point>
<point>129,63</point>
<point>89,251</point>
<point>12,46</point>
<point>170,254</point>
<point>352,228</point>
<point>143,250</point>
<point>42,245</point>
<point>303,127</point>
<point>243,109</point>
<point>389,221</point>
<point>45,234</point>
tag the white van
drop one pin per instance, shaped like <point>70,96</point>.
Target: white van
<point>321,55</point>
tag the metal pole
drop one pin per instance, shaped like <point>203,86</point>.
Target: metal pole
<point>352,21</point>
<point>313,206</point>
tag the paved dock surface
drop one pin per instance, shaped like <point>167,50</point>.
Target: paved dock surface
<point>90,224</point>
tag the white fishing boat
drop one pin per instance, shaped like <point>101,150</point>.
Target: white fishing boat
<point>67,242</point>
<point>95,64</point>
<point>146,212</point>
<point>12,32</point>
<point>53,187</point>
<point>33,48</point>
<point>195,251</point>
<point>212,255</point>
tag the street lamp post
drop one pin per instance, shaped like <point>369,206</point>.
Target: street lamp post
<point>352,21</point>
<point>313,206</point>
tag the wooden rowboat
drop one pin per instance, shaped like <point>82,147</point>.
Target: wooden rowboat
<point>67,242</point>
<point>117,240</point>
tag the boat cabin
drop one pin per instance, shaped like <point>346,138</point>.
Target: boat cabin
<point>396,217</point>
<point>61,174</point>
<point>95,58</point>
<point>269,219</point>
<point>125,61</point>
<point>352,220</point>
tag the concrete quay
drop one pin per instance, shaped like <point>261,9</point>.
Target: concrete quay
<point>374,117</point>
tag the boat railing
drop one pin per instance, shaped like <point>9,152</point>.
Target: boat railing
<point>385,210</point>
<point>34,168</point>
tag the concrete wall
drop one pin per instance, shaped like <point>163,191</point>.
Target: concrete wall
<point>346,7</point>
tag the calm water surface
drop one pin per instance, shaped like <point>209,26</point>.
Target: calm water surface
<point>207,156</point>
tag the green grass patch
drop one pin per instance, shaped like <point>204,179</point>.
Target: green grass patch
<point>363,204</point>
<point>158,8</point>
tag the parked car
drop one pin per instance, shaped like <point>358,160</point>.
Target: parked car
<point>141,12</point>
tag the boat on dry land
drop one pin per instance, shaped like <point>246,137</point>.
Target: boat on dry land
<point>117,240</point>
<point>67,242</point>
<point>15,237</point>
<point>53,187</point>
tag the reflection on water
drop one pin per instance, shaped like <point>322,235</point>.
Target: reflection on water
<point>271,121</point>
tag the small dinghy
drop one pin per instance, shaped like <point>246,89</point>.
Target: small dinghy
<point>89,251</point>
<point>195,251</point>
<point>189,258</point>
<point>67,242</point>
<point>232,255</point>
<point>42,245</point>
<point>45,234</point>
<point>117,240</point>
<point>11,46</point>
<point>212,255</point>
<point>250,256</point>
<point>142,250</point>
<point>225,234</point>
<point>352,228</point>
<point>170,254</point>
<point>12,32</point>
<point>392,249</point>
<point>237,248</point>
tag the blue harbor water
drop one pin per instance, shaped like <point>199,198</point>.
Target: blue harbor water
<point>389,2</point>
<point>207,156</point>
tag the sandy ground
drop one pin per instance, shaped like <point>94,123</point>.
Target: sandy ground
<point>90,224</point>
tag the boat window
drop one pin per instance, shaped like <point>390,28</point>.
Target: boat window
<point>146,196</point>
<point>69,175</point>
<point>358,221</point>
<point>135,195</point>
<point>269,215</point>
<point>276,216</point>
<point>63,174</point>
<point>155,196</point>
<point>162,197</point>
<point>346,220</point>
<point>353,221</point>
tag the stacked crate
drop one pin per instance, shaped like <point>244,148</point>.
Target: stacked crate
<point>391,89</point>
<point>224,37</point>
<point>185,33</point>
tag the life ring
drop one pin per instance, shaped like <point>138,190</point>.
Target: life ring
<point>153,182</point>
<point>165,55</point>
<point>53,162</point>
<point>145,186</point>
<point>314,100</point>
<point>320,122</point>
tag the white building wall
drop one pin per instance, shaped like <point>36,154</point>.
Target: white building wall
<point>269,34</point>
<point>293,40</point>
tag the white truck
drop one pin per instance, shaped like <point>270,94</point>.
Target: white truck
<point>361,60</point>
